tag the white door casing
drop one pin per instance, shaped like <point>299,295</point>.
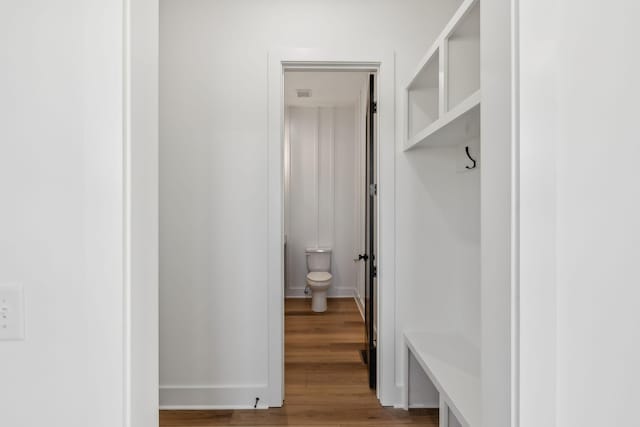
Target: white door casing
<point>383,63</point>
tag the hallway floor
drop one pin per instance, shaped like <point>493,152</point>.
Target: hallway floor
<point>326,383</point>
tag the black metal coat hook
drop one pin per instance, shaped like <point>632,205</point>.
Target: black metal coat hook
<point>466,150</point>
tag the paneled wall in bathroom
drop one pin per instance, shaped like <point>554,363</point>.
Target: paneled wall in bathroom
<point>322,201</point>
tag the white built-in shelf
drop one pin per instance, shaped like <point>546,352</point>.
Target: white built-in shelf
<point>454,127</point>
<point>443,95</point>
<point>453,366</point>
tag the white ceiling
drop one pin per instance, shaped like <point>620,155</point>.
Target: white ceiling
<point>327,87</point>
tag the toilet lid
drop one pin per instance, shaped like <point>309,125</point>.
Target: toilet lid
<point>319,276</point>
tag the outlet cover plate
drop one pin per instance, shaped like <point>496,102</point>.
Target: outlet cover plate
<point>11,312</point>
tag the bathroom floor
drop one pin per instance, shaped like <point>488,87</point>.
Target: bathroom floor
<point>326,383</point>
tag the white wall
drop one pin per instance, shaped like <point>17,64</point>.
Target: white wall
<point>320,207</point>
<point>214,169</point>
<point>443,248</point>
<point>61,220</point>
<point>538,129</point>
<point>577,113</point>
<point>62,177</point>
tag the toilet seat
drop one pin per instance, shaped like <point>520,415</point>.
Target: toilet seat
<point>319,282</point>
<point>319,276</point>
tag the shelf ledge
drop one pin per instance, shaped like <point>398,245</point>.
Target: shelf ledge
<point>455,127</point>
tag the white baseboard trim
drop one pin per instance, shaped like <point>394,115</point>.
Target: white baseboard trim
<point>333,293</point>
<point>415,406</point>
<point>359,303</point>
<point>423,406</point>
<point>203,397</point>
<point>210,407</point>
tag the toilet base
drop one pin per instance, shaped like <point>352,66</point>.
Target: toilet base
<point>319,301</point>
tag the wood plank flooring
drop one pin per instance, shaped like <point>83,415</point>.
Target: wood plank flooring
<point>326,383</point>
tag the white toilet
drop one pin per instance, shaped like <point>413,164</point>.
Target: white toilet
<point>319,277</point>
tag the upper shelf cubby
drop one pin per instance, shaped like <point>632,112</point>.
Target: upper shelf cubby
<point>443,95</point>
<point>423,96</point>
<point>464,58</point>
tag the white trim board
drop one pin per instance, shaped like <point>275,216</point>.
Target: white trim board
<point>333,293</point>
<point>383,63</point>
<point>198,397</point>
<point>356,297</point>
<point>140,320</point>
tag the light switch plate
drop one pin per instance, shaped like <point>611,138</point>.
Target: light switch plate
<point>11,312</point>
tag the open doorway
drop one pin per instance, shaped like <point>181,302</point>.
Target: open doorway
<point>329,232</point>
<point>282,61</point>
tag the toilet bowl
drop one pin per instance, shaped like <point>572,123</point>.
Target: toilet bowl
<point>318,277</point>
<point>319,283</point>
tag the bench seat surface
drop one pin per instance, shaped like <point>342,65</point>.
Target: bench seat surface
<point>453,365</point>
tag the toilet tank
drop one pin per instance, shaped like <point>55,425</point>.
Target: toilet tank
<point>318,259</point>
